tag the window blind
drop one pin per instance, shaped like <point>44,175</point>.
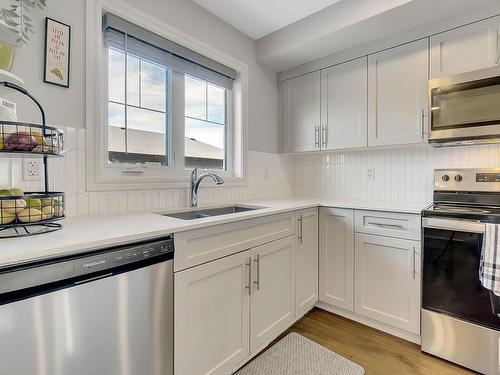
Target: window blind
<point>133,39</point>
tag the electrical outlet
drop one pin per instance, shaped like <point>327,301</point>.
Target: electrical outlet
<point>32,169</point>
<point>371,173</point>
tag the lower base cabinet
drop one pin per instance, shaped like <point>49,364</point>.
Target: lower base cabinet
<point>273,294</point>
<point>212,316</point>
<point>336,257</point>
<point>374,276</point>
<point>387,286</point>
<point>228,309</point>
<point>306,261</point>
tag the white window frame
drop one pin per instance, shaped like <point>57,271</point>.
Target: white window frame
<point>101,174</point>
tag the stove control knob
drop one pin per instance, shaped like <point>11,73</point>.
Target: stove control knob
<point>445,178</point>
<point>459,178</point>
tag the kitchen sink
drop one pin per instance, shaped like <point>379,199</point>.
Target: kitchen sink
<point>209,212</point>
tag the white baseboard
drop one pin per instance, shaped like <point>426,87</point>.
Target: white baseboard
<point>370,323</point>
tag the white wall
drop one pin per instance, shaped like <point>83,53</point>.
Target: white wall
<point>66,107</point>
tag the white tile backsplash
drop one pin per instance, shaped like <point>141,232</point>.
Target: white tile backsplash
<point>268,178</point>
<point>401,174</point>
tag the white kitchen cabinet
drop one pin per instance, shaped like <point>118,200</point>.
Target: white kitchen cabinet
<point>306,261</point>
<point>300,98</point>
<point>397,94</point>
<point>212,316</point>
<point>387,286</point>
<point>465,49</point>
<point>344,105</point>
<point>273,294</point>
<point>336,257</point>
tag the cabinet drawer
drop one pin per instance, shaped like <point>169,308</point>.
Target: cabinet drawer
<point>206,244</point>
<point>390,224</point>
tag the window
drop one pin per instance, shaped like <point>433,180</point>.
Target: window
<point>158,108</point>
<point>137,110</point>
<point>205,125</point>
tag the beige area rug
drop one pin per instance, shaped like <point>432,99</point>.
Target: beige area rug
<point>297,355</point>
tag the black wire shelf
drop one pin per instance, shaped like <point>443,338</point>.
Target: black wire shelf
<point>21,138</point>
<point>32,213</point>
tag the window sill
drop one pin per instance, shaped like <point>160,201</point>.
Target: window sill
<point>167,183</point>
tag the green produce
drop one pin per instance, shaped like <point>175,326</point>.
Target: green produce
<point>29,215</point>
<point>5,192</point>
<point>34,203</point>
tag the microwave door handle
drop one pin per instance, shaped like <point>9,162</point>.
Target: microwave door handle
<point>468,226</point>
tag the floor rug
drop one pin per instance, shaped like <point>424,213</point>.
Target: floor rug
<point>297,355</point>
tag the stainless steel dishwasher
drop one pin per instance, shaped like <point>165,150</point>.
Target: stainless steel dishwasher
<point>108,312</point>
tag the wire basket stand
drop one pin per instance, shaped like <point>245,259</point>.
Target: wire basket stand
<point>30,213</point>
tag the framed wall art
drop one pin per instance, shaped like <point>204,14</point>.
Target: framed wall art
<point>57,52</point>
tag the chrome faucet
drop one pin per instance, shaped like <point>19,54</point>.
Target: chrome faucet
<point>195,184</point>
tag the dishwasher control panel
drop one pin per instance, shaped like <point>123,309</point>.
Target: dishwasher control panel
<point>124,256</point>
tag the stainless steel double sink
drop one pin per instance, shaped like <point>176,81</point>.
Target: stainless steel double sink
<point>209,212</point>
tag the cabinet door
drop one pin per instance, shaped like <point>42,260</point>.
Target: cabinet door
<point>301,113</point>
<point>273,295</point>
<point>344,105</point>
<point>397,94</point>
<point>465,49</point>
<point>336,257</point>
<point>387,281</point>
<point>212,316</point>
<point>306,261</point>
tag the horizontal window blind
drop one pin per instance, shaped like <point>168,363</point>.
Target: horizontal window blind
<point>133,39</point>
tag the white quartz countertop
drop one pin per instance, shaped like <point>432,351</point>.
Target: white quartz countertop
<point>87,233</point>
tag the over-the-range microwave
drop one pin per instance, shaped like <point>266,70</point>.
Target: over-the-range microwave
<point>465,108</point>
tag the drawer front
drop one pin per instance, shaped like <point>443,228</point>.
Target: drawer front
<point>206,244</point>
<point>391,224</point>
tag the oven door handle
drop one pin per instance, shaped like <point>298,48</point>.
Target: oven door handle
<point>468,226</point>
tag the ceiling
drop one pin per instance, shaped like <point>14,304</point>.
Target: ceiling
<point>257,18</point>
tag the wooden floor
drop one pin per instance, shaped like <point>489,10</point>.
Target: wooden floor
<point>378,352</point>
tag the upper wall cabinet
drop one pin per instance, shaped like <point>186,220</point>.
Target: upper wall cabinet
<point>467,48</point>
<point>397,94</point>
<point>344,105</point>
<point>301,113</point>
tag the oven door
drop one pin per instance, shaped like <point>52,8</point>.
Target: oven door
<point>465,107</point>
<point>450,285</point>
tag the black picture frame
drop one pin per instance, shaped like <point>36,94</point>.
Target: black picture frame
<point>46,79</point>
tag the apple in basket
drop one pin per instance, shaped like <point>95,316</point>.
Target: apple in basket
<point>20,141</point>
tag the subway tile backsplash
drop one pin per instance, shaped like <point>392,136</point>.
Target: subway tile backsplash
<point>268,177</point>
<point>398,174</point>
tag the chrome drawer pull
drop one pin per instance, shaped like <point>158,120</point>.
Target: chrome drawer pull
<point>249,286</point>
<point>299,236</point>
<point>394,226</point>
<point>257,282</point>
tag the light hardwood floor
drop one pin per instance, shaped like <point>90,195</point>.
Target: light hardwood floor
<point>378,352</point>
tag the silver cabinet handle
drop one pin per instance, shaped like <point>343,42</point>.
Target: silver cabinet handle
<point>316,137</point>
<point>249,286</point>
<point>257,281</point>
<point>299,235</point>
<point>324,136</point>
<point>392,226</point>
<point>422,123</point>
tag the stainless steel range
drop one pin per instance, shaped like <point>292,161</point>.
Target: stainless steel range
<point>460,318</point>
